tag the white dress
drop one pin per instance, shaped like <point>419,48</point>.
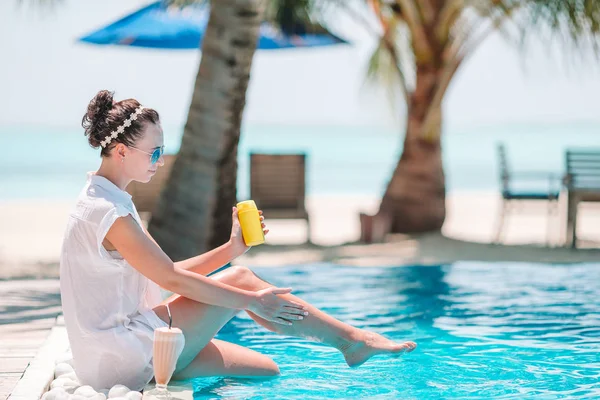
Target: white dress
<point>107,304</point>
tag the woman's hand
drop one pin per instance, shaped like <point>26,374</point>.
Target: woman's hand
<point>236,240</point>
<point>273,308</point>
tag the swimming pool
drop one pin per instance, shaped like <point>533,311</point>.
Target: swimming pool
<point>494,330</point>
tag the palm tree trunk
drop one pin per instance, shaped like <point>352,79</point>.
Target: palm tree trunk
<point>194,211</point>
<point>415,196</point>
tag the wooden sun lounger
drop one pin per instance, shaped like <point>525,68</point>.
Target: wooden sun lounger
<point>278,185</point>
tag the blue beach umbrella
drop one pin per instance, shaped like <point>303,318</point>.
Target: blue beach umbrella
<point>172,27</point>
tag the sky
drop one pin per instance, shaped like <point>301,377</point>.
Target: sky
<point>48,78</point>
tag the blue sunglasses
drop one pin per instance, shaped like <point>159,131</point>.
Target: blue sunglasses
<point>155,155</point>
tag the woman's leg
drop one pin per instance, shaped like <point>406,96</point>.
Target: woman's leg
<point>220,358</point>
<point>357,345</point>
<point>199,323</point>
<point>202,355</point>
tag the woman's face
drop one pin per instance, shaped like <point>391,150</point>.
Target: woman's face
<point>138,162</point>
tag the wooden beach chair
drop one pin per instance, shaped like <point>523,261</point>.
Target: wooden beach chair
<point>278,186</point>
<point>541,186</point>
<point>582,181</point>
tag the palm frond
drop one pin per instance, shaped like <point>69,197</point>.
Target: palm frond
<point>392,64</point>
<point>576,23</point>
<point>486,16</point>
<point>296,16</point>
<point>382,72</point>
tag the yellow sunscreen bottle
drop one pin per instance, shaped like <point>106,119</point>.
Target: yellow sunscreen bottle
<point>250,222</point>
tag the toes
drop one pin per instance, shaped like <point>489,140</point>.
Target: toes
<point>409,346</point>
<point>406,347</point>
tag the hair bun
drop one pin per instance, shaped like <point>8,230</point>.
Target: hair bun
<point>95,119</point>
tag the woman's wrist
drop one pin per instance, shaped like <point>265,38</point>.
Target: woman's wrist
<point>251,300</point>
<point>235,249</point>
<point>244,299</point>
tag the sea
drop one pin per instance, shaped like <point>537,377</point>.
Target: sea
<point>40,162</point>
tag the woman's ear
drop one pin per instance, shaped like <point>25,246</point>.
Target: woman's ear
<point>120,150</point>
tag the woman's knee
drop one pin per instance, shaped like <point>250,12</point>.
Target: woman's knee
<point>238,276</point>
<point>265,366</point>
<point>272,369</point>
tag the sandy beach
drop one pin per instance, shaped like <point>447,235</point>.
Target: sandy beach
<point>31,234</point>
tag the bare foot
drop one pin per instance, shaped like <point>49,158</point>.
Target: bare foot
<point>372,344</point>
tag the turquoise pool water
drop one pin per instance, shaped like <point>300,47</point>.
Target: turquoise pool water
<point>484,331</point>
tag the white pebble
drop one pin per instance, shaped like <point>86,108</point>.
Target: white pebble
<point>62,369</point>
<point>118,391</point>
<point>104,391</point>
<point>119,398</point>
<point>56,394</point>
<point>58,383</point>
<point>68,385</point>
<point>66,358</point>
<point>98,396</point>
<point>86,391</point>
<point>72,377</point>
<point>77,397</point>
<point>133,395</point>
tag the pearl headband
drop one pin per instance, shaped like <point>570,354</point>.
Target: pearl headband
<point>122,127</point>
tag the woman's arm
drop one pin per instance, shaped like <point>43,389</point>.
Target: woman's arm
<point>210,261</point>
<point>145,256</point>
<point>205,263</point>
<point>149,259</point>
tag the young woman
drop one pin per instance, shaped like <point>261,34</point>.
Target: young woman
<point>111,270</point>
